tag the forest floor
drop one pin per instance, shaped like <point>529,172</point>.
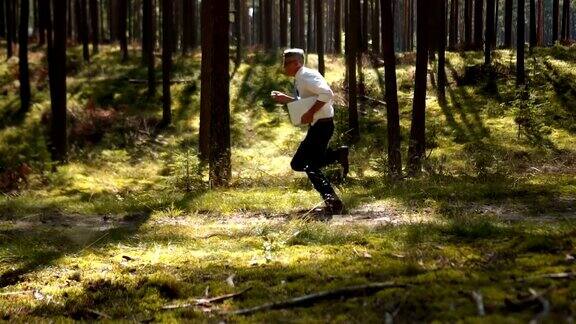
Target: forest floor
<point>129,229</point>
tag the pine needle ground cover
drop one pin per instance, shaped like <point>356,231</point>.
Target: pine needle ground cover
<point>130,229</point>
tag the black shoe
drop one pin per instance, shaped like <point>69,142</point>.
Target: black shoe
<point>343,152</point>
<point>334,207</point>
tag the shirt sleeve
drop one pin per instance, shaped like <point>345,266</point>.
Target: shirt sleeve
<point>318,85</point>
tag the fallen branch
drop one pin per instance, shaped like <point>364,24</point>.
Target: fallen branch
<point>206,301</point>
<point>98,313</point>
<point>308,300</point>
<point>545,307</point>
<point>374,100</point>
<point>11,293</point>
<point>477,296</point>
<point>171,81</point>
<point>560,275</point>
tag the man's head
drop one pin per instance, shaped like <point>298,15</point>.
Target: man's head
<point>293,61</point>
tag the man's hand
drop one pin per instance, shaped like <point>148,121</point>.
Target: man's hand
<point>307,118</point>
<point>280,97</point>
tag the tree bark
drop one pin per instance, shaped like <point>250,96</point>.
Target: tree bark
<point>566,21</point>
<point>540,24</point>
<point>454,17</point>
<point>352,49</point>
<point>24,74</point>
<point>441,36</point>
<point>94,21</point>
<point>217,59</point>
<point>57,65</point>
<point>478,24</point>
<point>206,26</point>
<point>467,24</point>
<point>520,25</point>
<point>83,28</point>
<point>391,96</point>
<point>2,19</point>
<point>9,29</point>
<point>417,146</point>
<point>338,26</point>
<point>364,20</point>
<point>532,24</point>
<point>122,16</point>
<point>489,32</point>
<point>376,27</point>
<point>167,46</point>
<point>283,23</point>
<point>320,35</point>
<point>310,44</point>
<point>555,20</point>
<point>148,44</point>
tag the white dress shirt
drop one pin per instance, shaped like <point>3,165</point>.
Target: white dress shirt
<point>311,83</point>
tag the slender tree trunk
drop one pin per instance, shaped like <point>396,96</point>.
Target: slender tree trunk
<point>533,34</point>
<point>520,73</point>
<point>364,20</point>
<point>566,21</point>
<point>376,26</point>
<point>352,49</point>
<point>478,24</point>
<point>392,109</point>
<point>320,35</point>
<point>508,23</point>
<point>10,29</point>
<point>2,19</point>
<point>57,65</point>
<point>540,24</point>
<point>454,17</point>
<point>24,74</point>
<point>268,25</point>
<point>283,23</point>
<point>489,32</point>
<point>338,26</point>
<point>441,36</point>
<point>467,24</point>
<point>417,146</point>
<point>78,20</point>
<point>122,16</point>
<point>148,44</point>
<point>555,19</point>
<point>310,45</point>
<point>206,26</point>
<point>83,28</point>
<point>167,46</point>
<point>94,20</point>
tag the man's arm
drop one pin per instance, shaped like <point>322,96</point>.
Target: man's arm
<point>280,97</point>
<point>308,116</point>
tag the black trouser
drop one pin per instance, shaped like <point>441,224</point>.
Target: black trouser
<point>313,154</point>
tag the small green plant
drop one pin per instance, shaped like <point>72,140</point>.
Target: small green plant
<point>186,171</point>
<point>530,121</point>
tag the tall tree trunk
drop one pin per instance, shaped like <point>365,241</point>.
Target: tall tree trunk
<point>206,26</point>
<point>454,17</point>
<point>540,24</point>
<point>555,19</point>
<point>310,45</point>
<point>365,37</point>
<point>215,41</point>
<point>478,23</point>
<point>417,146</point>
<point>489,32</point>
<point>532,24</point>
<point>95,29</point>
<point>468,24</point>
<point>122,16</point>
<point>320,35</point>
<point>148,43</point>
<point>83,28</point>
<point>186,30</point>
<point>520,25</point>
<point>24,74</point>
<point>268,25</point>
<point>2,19</point>
<point>338,26</point>
<point>566,21</point>
<point>352,49</point>
<point>376,26</point>
<point>10,29</point>
<point>441,36</point>
<point>283,23</point>
<point>391,96</point>
<point>78,20</point>
<point>508,23</point>
<point>57,65</point>
<point>167,46</point>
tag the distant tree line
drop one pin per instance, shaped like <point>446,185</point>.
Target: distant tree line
<point>222,28</point>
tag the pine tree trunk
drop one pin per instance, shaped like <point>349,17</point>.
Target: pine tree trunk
<point>338,26</point>
<point>566,21</point>
<point>9,29</point>
<point>365,37</point>
<point>167,46</point>
<point>520,25</point>
<point>454,17</point>
<point>57,65</point>
<point>532,24</point>
<point>283,23</point>
<point>310,45</point>
<point>478,24</point>
<point>555,19</point>
<point>352,50</point>
<point>320,35</point>
<point>540,23</point>
<point>206,26</point>
<point>268,25</point>
<point>83,28</point>
<point>95,29</point>
<point>215,41</point>
<point>468,24</point>
<point>24,74</point>
<point>417,146</point>
<point>441,36</point>
<point>391,96</point>
<point>489,32</point>
<point>376,27</point>
<point>2,19</point>
<point>508,23</point>
<point>122,16</point>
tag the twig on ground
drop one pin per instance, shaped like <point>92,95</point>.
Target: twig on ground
<point>11,293</point>
<point>100,314</point>
<point>560,275</point>
<point>206,301</point>
<point>479,299</point>
<point>171,81</point>
<point>308,300</point>
<point>545,306</point>
<point>374,100</point>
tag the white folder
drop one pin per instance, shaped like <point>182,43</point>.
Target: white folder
<point>297,108</point>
